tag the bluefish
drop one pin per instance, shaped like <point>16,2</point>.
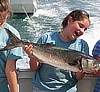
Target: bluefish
<point>62,58</point>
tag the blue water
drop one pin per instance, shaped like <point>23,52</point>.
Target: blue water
<point>49,16</point>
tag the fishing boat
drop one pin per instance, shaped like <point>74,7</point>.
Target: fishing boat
<point>25,82</point>
<point>23,6</point>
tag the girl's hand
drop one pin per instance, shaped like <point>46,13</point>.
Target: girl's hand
<point>96,73</point>
<point>93,73</point>
<point>28,49</point>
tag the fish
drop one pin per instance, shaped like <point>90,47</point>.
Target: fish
<point>66,59</point>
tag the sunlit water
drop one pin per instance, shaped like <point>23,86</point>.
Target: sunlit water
<point>49,16</point>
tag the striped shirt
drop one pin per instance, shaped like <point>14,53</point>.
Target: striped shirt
<point>96,52</point>
<point>96,49</point>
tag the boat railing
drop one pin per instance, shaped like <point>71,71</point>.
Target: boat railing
<point>25,82</point>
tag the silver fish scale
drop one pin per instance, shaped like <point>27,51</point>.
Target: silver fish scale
<point>68,56</point>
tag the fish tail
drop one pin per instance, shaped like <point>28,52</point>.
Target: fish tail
<point>14,41</point>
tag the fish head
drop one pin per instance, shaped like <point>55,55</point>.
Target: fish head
<point>84,63</point>
<point>90,64</point>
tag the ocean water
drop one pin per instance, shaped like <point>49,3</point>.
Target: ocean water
<point>49,16</point>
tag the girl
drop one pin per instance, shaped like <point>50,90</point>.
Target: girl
<point>51,79</point>
<point>7,58</point>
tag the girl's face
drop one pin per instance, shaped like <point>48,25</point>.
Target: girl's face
<point>3,17</point>
<point>75,29</point>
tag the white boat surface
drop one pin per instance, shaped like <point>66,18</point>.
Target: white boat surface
<point>25,82</point>
<point>23,6</point>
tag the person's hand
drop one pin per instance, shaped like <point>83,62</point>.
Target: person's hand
<point>94,73</point>
<point>28,49</point>
<point>88,72</point>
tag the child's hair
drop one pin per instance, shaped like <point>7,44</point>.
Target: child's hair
<point>5,10</point>
<point>76,15</point>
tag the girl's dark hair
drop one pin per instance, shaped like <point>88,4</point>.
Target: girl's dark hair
<point>76,15</point>
<point>5,8</point>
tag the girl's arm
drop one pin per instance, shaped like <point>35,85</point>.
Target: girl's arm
<point>10,71</point>
<point>34,64</point>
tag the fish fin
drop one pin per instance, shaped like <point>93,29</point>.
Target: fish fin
<point>46,45</point>
<point>50,44</point>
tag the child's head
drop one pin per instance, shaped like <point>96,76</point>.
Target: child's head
<point>77,15</point>
<point>75,24</point>
<point>5,10</point>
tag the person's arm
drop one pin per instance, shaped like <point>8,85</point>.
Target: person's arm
<point>10,71</point>
<point>34,64</point>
